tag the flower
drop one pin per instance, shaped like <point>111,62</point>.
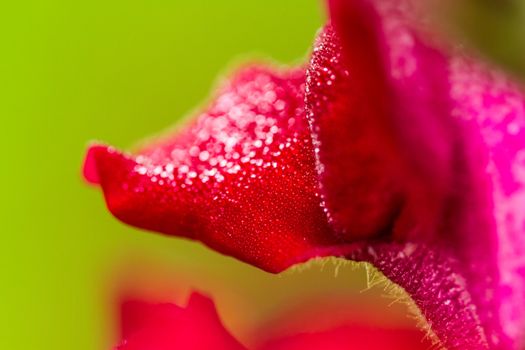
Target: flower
<point>198,327</point>
<point>389,147</point>
<point>168,326</point>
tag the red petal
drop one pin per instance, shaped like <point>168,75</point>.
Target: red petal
<point>491,112</point>
<point>198,327</point>
<point>241,178</point>
<point>168,326</point>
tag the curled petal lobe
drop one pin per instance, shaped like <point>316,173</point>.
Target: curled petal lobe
<point>241,177</point>
<point>377,97</point>
<point>355,161</point>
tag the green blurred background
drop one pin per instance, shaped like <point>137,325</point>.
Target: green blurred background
<point>118,71</point>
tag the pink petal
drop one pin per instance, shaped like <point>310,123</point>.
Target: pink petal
<point>440,136</point>
<point>491,109</point>
<point>337,323</point>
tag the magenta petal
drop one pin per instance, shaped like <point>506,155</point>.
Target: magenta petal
<point>492,112</point>
<point>378,98</point>
<point>197,326</point>
<point>444,138</point>
<point>435,283</point>
<point>434,279</point>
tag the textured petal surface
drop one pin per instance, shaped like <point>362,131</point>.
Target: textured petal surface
<point>392,148</point>
<point>241,178</point>
<point>437,285</point>
<point>445,147</point>
<point>338,323</point>
<point>378,98</point>
<point>385,174</point>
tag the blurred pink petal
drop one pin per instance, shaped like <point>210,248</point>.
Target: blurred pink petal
<point>168,326</point>
<point>350,336</point>
<point>450,147</point>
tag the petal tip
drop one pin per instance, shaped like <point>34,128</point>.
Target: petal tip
<point>90,168</point>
